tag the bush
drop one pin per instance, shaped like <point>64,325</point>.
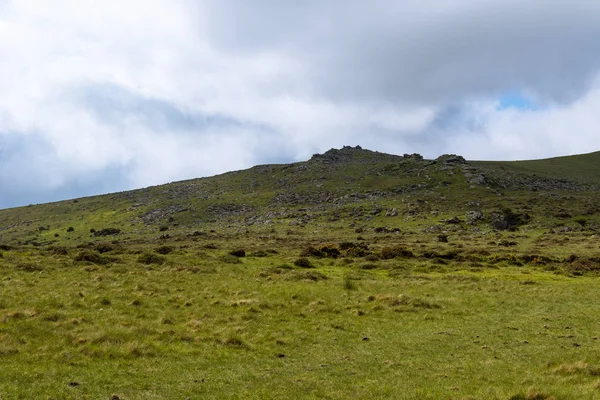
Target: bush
<point>330,251</point>
<point>106,232</point>
<point>325,251</point>
<point>347,245</point>
<point>70,229</point>
<point>151,258</point>
<point>357,252</point>
<point>388,253</point>
<point>163,228</point>
<point>163,250</point>
<point>92,256</point>
<point>310,252</point>
<point>303,263</point>
<point>105,247</point>
<point>238,253</point>
<point>59,250</point>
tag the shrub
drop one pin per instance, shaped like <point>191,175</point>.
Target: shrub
<point>347,245</point>
<point>151,258</point>
<point>70,229</point>
<point>357,252</point>
<point>92,256</point>
<point>105,247</point>
<point>163,250</point>
<point>59,250</point>
<point>163,228</point>
<point>238,253</point>
<point>311,252</point>
<point>388,253</point>
<point>303,263</point>
<point>329,250</point>
<point>106,232</point>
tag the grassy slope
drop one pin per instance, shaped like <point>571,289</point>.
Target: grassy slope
<point>583,167</point>
<point>490,314</point>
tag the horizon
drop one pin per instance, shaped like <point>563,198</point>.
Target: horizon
<point>101,98</point>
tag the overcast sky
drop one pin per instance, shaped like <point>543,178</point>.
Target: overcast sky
<point>101,96</point>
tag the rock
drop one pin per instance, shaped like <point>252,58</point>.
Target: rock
<point>473,217</point>
<point>479,180</point>
<point>392,213</point>
<point>454,221</point>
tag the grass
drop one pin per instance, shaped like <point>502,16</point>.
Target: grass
<point>318,295</point>
<point>197,327</point>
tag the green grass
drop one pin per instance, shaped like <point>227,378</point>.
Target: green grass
<point>261,328</point>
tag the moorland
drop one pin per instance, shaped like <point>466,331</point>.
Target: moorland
<point>355,274</point>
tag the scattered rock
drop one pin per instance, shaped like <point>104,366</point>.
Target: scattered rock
<point>473,217</point>
<point>392,213</point>
<point>454,221</point>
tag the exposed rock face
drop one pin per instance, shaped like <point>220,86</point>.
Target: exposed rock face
<point>334,155</point>
<point>227,210</point>
<point>161,213</point>
<point>450,160</point>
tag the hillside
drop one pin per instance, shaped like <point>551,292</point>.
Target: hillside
<point>354,274</point>
<point>340,187</point>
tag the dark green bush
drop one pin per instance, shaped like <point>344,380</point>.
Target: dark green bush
<point>303,263</point>
<point>105,247</point>
<point>238,253</point>
<point>59,250</point>
<point>388,253</point>
<point>93,257</point>
<point>325,251</point>
<point>106,232</point>
<point>151,258</point>
<point>164,250</point>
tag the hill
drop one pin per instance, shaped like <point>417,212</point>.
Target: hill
<point>354,274</point>
<point>357,186</point>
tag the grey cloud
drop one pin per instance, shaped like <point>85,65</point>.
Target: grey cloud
<point>115,105</point>
<point>426,51</point>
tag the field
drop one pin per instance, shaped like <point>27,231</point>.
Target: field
<point>125,297</point>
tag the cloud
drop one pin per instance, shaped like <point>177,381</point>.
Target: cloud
<point>116,95</point>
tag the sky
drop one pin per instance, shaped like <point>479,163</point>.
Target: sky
<point>98,97</point>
